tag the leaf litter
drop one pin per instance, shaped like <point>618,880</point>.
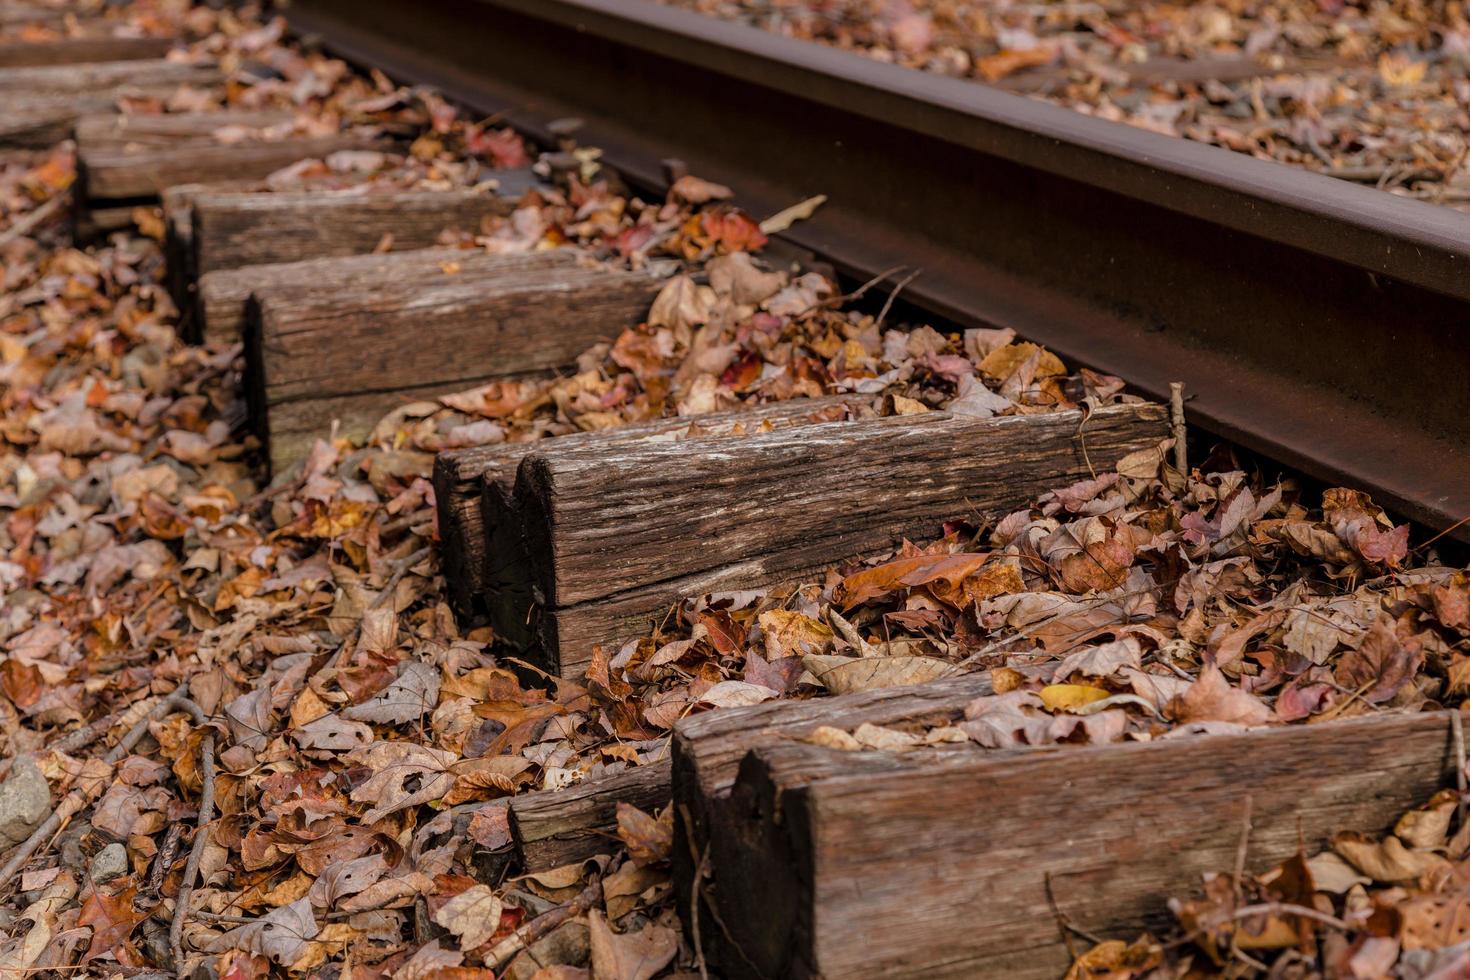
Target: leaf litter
<point>293,638</point>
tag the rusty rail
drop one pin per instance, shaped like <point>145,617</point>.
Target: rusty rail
<point>1322,324</point>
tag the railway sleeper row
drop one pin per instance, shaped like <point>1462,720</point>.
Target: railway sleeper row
<point>792,858</point>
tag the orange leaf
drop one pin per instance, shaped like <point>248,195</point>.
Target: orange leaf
<point>112,920</point>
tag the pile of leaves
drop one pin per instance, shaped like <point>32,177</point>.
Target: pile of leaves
<point>1365,907</point>
<point>1370,92</point>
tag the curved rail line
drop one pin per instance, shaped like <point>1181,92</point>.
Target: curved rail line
<point>1322,324</point>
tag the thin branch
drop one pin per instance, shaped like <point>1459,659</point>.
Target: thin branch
<point>196,849</point>
<point>541,925</point>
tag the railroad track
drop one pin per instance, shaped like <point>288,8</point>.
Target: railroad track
<point>1316,323</point>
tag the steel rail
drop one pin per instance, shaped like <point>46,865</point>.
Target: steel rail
<point>1322,324</point>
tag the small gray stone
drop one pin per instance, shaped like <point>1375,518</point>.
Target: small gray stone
<point>111,862</point>
<point>25,801</point>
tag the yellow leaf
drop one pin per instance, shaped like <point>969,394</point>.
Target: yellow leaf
<point>473,915</point>
<point>790,633</point>
<point>1069,697</point>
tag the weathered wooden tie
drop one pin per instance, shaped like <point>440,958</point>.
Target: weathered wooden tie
<point>107,78</point>
<point>39,105</point>
<point>556,827</point>
<point>143,170</point>
<point>139,130</point>
<point>12,13</point>
<point>480,528</point>
<point>229,230</point>
<point>81,50</point>
<point>954,851</point>
<point>551,828</point>
<point>616,535</point>
<point>360,340</point>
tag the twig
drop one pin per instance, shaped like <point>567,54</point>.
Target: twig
<point>1064,923</point>
<point>541,925</point>
<point>83,737</point>
<point>400,569</point>
<point>696,891</point>
<point>1245,843</point>
<point>77,799</point>
<point>858,293</point>
<point>1181,431</point>
<point>196,850</point>
<point>888,303</point>
<point>1457,729</point>
<point>32,221</point>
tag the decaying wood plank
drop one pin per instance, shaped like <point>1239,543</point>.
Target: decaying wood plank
<point>556,827</point>
<point>617,535</point>
<point>102,76</point>
<point>111,172</point>
<point>136,130</point>
<point>177,202</point>
<point>350,354</point>
<point>471,484</point>
<point>221,294</point>
<point>233,230</point>
<point>957,846</point>
<point>708,749</point>
<point>29,13</point>
<point>39,105</point>
<point>79,50</point>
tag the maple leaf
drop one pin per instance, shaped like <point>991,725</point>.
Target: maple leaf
<point>112,918</point>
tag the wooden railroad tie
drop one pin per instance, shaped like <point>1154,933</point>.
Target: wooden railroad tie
<point>615,534</point>
<point>134,159</point>
<point>249,223</point>
<point>39,105</point>
<point>955,850</point>
<point>554,827</point>
<point>230,230</point>
<point>13,12</point>
<point>550,828</point>
<point>81,50</point>
<point>480,526</point>
<point>364,334</point>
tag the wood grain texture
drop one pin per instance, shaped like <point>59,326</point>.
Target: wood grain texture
<point>353,351</point>
<point>108,172</point>
<point>78,50</point>
<point>556,827</point>
<point>221,295</point>
<point>231,230</point>
<point>29,13</point>
<point>952,849</point>
<point>708,749</point>
<point>120,130</point>
<point>471,484</point>
<point>39,120</point>
<point>102,77</point>
<point>616,535</point>
<point>224,294</point>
